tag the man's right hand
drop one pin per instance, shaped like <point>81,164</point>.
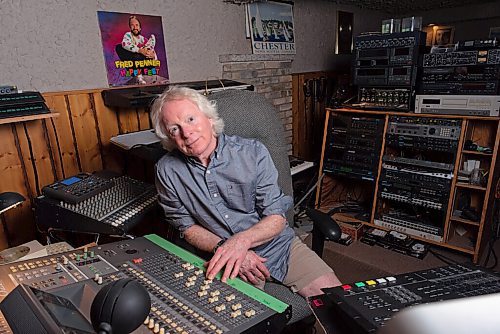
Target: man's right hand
<point>253,269</point>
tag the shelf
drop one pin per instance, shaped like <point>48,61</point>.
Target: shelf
<point>477,153</point>
<point>469,186</point>
<point>416,237</point>
<point>346,218</point>
<point>28,118</point>
<point>464,221</point>
<point>485,131</point>
<point>460,243</point>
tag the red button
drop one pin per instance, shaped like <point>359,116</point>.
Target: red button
<point>317,302</point>
<point>346,287</point>
<point>137,261</point>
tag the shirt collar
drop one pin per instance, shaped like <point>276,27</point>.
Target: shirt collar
<point>221,141</point>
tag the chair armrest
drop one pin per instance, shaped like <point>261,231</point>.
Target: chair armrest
<point>324,224</point>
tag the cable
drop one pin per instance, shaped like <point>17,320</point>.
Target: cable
<point>442,257</point>
<point>495,224</point>
<point>308,192</point>
<point>32,156</point>
<point>58,147</point>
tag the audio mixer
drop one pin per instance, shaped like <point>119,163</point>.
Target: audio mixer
<point>182,299</point>
<point>95,204</point>
<point>365,307</point>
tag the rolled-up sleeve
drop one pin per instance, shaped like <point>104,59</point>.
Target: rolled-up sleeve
<point>175,212</point>
<point>270,199</point>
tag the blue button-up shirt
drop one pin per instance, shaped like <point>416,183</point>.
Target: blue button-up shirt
<point>234,192</point>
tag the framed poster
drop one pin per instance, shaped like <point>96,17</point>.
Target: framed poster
<point>271,26</point>
<point>494,33</point>
<point>134,49</point>
<point>443,35</point>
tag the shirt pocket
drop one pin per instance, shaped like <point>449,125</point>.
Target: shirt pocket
<point>241,196</point>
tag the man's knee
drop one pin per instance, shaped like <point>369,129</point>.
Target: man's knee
<point>328,280</point>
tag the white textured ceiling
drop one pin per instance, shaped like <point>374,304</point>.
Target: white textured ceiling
<point>405,7</point>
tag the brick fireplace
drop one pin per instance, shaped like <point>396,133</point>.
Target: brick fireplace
<point>270,75</point>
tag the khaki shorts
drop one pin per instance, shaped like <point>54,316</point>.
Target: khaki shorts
<point>304,266</point>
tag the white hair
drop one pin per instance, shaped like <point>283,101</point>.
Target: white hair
<point>207,107</point>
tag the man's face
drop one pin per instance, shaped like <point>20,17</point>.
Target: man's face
<point>135,27</point>
<point>441,37</point>
<point>189,128</point>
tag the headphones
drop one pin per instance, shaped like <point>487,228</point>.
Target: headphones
<point>120,307</point>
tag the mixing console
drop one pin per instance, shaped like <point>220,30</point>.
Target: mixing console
<point>182,299</point>
<point>113,210</point>
<point>368,305</point>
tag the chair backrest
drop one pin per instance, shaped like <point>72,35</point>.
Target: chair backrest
<point>250,115</point>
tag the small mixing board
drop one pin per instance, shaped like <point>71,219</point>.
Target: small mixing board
<point>115,208</point>
<point>182,299</point>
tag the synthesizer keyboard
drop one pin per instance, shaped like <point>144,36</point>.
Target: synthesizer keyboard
<point>366,306</point>
<point>298,165</point>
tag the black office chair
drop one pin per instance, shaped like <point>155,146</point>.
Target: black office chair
<point>250,115</point>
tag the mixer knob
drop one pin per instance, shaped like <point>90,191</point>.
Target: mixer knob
<point>220,308</point>
<point>235,313</point>
<point>249,313</point>
<point>156,328</point>
<point>146,321</point>
<point>151,323</point>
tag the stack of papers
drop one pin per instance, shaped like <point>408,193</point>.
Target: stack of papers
<point>135,139</point>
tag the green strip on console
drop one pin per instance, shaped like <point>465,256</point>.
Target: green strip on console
<point>242,286</point>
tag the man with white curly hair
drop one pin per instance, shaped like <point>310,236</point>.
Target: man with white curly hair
<point>221,193</point>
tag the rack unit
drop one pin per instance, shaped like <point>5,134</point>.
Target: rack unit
<point>455,207</point>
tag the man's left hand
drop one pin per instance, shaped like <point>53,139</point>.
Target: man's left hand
<point>253,269</point>
<point>231,254</point>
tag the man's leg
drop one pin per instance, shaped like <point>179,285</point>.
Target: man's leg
<point>307,272</point>
<point>328,280</point>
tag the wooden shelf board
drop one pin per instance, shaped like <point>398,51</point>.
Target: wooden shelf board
<point>28,118</point>
<point>464,221</point>
<point>460,243</point>
<point>469,186</point>
<point>477,153</point>
<point>344,217</point>
<point>440,243</point>
<point>393,112</point>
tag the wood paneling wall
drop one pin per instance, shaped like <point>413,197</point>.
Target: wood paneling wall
<point>38,152</point>
<point>308,111</point>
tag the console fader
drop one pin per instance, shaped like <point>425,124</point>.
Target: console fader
<point>182,299</point>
